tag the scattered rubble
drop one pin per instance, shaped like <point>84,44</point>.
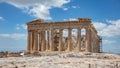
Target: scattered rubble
<point>63,60</point>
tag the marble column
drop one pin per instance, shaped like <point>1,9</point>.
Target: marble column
<point>97,45</point>
<point>47,40</point>
<point>52,41</point>
<point>39,48</point>
<point>43,41</point>
<point>60,39</point>
<point>94,46</point>
<point>92,42</point>
<point>69,39</point>
<point>79,39</point>
<point>36,41</point>
<point>28,42</point>
<point>34,47</point>
<point>88,38</point>
<point>86,42</point>
<point>32,41</point>
<point>31,47</point>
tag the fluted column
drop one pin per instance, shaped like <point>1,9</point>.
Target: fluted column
<point>87,41</point>
<point>60,39</point>
<point>32,42</point>
<point>69,38</point>
<point>47,40</point>
<point>88,38</point>
<point>34,47</point>
<point>92,42</point>
<point>39,48</point>
<point>79,40</point>
<point>28,42</point>
<point>43,41</point>
<point>35,42</point>
<point>97,45</point>
<point>52,41</point>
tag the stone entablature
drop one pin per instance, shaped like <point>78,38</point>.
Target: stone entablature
<point>42,36</point>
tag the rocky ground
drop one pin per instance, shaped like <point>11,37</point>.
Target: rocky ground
<point>63,60</point>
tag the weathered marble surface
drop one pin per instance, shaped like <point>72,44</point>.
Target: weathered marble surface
<point>64,60</point>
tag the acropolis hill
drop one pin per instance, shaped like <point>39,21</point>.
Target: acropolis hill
<point>49,48</point>
<point>48,36</point>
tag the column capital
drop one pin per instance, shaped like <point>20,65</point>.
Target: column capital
<point>69,29</point>
<point>61,29</point>
<point>79,28</point>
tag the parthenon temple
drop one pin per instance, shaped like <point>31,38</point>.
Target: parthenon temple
<point>60,36</point>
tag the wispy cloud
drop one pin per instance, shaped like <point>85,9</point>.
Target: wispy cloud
<point>65,9</point>
<point>109,29</point>
<point>70,19</point>
<point>71,7</point>
<point>75,7</point>
<point>15,36</point>
<point>1,18</point>
<point>21,26</point>
<point>107,42</point>
<point>37,8</point>
<point>17,28</point>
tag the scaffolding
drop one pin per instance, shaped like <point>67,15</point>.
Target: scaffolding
<point>100,43</point>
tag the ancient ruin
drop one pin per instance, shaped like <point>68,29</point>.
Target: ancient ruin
<point>49,36</point>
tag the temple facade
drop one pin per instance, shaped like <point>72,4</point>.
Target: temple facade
<point>49,36</point>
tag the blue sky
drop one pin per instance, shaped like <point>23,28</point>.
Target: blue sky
<point>14,14</point>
